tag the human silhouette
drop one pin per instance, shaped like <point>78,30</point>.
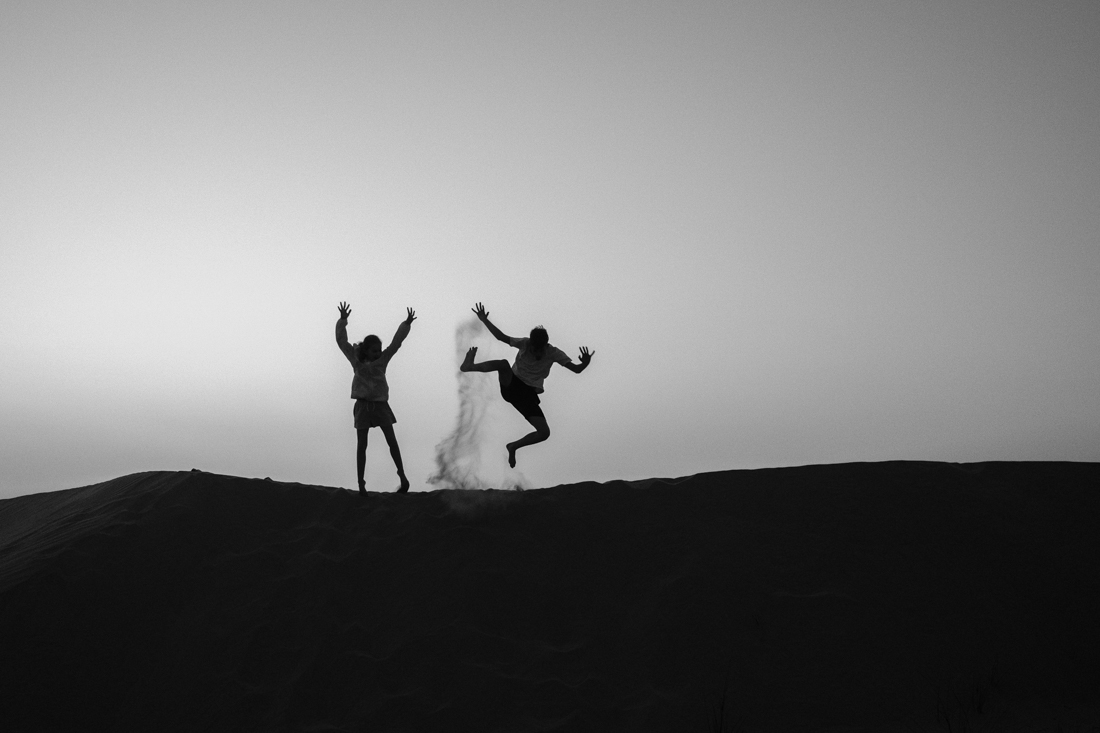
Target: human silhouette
<point>370,390</point>
<point>521,382</point>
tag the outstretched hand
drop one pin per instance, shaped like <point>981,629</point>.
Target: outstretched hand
<point>586,355</point>
<point>411,317</point>
<point>345,310</point>
<point>480,312</point>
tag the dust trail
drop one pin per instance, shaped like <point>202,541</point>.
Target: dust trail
<point>458,456</point>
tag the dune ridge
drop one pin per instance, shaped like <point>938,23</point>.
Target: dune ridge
<point>878,596</point>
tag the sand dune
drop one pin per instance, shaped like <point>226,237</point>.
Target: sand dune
<point>891,596</point>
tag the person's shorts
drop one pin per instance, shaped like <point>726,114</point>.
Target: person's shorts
<point>371,414</point>
<point>523,397</point>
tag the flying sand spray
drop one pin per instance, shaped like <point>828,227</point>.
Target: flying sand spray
<point>458,456</point>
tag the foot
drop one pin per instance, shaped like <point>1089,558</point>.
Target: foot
<point>404,484</point>
<point>362,488</point>
<point>468,362</point>
<point>511,455</point>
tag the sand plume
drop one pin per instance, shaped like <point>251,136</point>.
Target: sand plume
<point>459,457</point>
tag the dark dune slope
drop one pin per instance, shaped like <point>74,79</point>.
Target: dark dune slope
<point>865,596</point>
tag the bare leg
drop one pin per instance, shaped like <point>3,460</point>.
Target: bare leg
<point>501,367</point>
<point>395,453</point>
<point>504,372</point>
<point>541,433</point>
<point>361,457</point>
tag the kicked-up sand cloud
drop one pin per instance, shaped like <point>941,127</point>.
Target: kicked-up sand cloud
<point>459,457</point>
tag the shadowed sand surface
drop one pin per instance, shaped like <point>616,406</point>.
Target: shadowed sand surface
<point>888,596</point>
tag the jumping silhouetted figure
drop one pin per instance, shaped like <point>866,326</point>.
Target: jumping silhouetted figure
<point>521,383</point>
<point>370,390</point>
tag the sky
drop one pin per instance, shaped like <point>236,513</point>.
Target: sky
<point>791,232</point>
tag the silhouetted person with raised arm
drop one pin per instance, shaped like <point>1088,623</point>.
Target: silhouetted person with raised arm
<point>370,390</point>
<point>521,382</point>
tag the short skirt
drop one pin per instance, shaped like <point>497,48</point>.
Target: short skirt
<point>372,414</point>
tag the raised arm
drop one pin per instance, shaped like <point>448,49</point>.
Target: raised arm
<point>483,316</point>
<point>585,358</point>
<point>402,331</point>
<point>342,329</point>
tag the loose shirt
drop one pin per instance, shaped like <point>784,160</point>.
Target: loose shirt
<point>369,382</point>
<point>531,370</point>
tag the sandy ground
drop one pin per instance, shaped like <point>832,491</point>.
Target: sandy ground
<point>879,597</point>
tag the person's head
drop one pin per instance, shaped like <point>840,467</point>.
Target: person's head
<point>539,339</point>
<point>370,348</point>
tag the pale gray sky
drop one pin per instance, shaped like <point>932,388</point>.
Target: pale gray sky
<point>793,232</point>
